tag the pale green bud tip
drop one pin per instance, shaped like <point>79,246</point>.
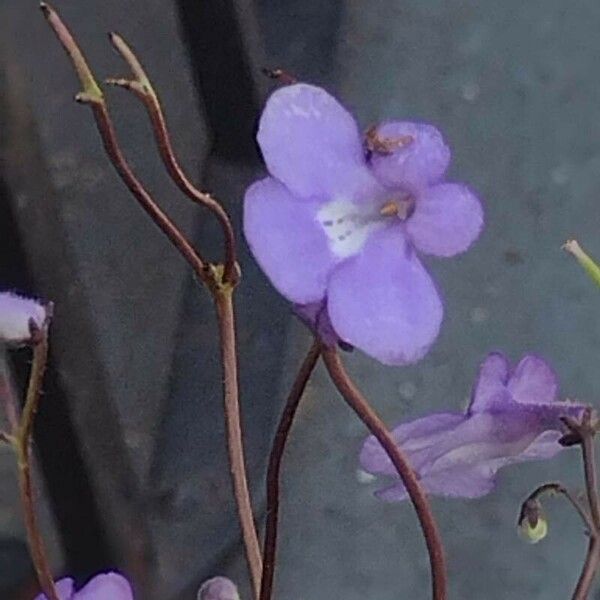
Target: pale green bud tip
<point>218,588</point>
<point>586,261</point>
<point>533,533</point>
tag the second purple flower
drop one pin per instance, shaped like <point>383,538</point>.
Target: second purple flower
<point>339,221</point>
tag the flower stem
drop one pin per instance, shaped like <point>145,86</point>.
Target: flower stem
<point>274,469</point>
<point>22,444</point>
<point>226,317</point>
<point>590,568</point>
<point>142,87</point>
<point>416,493</point>
<point>93,96</point>
<point>585,431</point>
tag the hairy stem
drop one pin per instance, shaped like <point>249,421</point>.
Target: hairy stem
<point>226,317</point>
<point>22,442</point>
<point>274,469</point>
<point>416,493</point>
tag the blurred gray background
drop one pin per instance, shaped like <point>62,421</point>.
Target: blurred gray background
<point>131,432</point>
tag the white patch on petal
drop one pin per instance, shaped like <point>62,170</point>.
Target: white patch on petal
<point>348,226</point>
<point>15,314</point>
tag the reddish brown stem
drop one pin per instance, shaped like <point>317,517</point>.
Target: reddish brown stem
<point>22,441</point>
<point>415,491</point>
<point>92,95</point>
<point>143,89</point>
<point>274,469</point>
<point>226,317</point>
<point>590,568</point>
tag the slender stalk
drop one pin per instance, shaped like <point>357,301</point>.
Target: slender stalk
<point>274,468</point>
<point>22,443</point>
<point>226,318</point>
<point>142,87</point>
<point>590,568</point>
<point>557,488</point>
<point>9,400</point>
<point>416,493</point>
<point>93,96</point>
<point>589,469</point>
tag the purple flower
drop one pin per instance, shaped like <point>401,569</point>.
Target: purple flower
<point>218,588</point>
<point>17,315</point>
<point>513,417</point>
<point>106,586</point>
<point>338,225</point>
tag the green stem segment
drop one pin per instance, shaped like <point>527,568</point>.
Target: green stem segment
<point>377,427</point>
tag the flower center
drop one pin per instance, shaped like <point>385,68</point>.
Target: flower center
<point>348,225</point>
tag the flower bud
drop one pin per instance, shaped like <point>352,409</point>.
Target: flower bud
<point>218,588</point>
<point>533,526</point>
<point>20,318</point>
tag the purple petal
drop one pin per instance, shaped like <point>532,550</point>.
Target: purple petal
<point>316,318</point>
<point>447,219</point>
<point>491,380</point>
<point>410,437</point>
<point>107,586</point>
<point>286,240</point>
<point>312,144</point>
<point>544,446</point>
<point>415,165</point>
<point>533,381</point>
<point>218,588</point>
<point>464,482</point>
<point>384,302</point>
<point>64,588</point>
<point>16,313</point>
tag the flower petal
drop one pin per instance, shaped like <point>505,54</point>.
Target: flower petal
<point>384,302</point>
<point>491,380</point>
<point>64,588</point>
<point>286,240</point>
<point>411,437</point>
<point>312,144</point>
<point>16,315</point>
<point>107,586</point>
<point>464,482</point>
<point>447,219</point>
<point>218,588</point>
<point>414,165</point>
<point>533,381</point>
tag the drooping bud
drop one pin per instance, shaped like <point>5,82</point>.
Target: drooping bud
<point>20,318</point>
<point>533,526</point>
<point>218,588</point>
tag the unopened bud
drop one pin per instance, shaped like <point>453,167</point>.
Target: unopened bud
<point>218,588</point>
<point>20,318</point>
<point>533,526</point>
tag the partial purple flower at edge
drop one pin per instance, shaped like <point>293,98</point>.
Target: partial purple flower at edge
<point>106,586</point>
<point>218,588</point>
<point>339,226</point>
<point>17,314</point>
<point>513,417</point>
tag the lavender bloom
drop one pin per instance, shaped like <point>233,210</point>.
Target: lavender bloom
<point>16,315</point>
<point>106,586</point>
<point>218,588</point>
<point>513,417</point>
<point>338,225</point>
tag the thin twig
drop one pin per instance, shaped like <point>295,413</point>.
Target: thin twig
<point>274,469</point>
<point>142,87</point>
<point>8,398</point>
<point>590,568</point>
<point>415,491</point>
<point>225,311</point>
<point>93,96</point>
<point>22,443</point>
